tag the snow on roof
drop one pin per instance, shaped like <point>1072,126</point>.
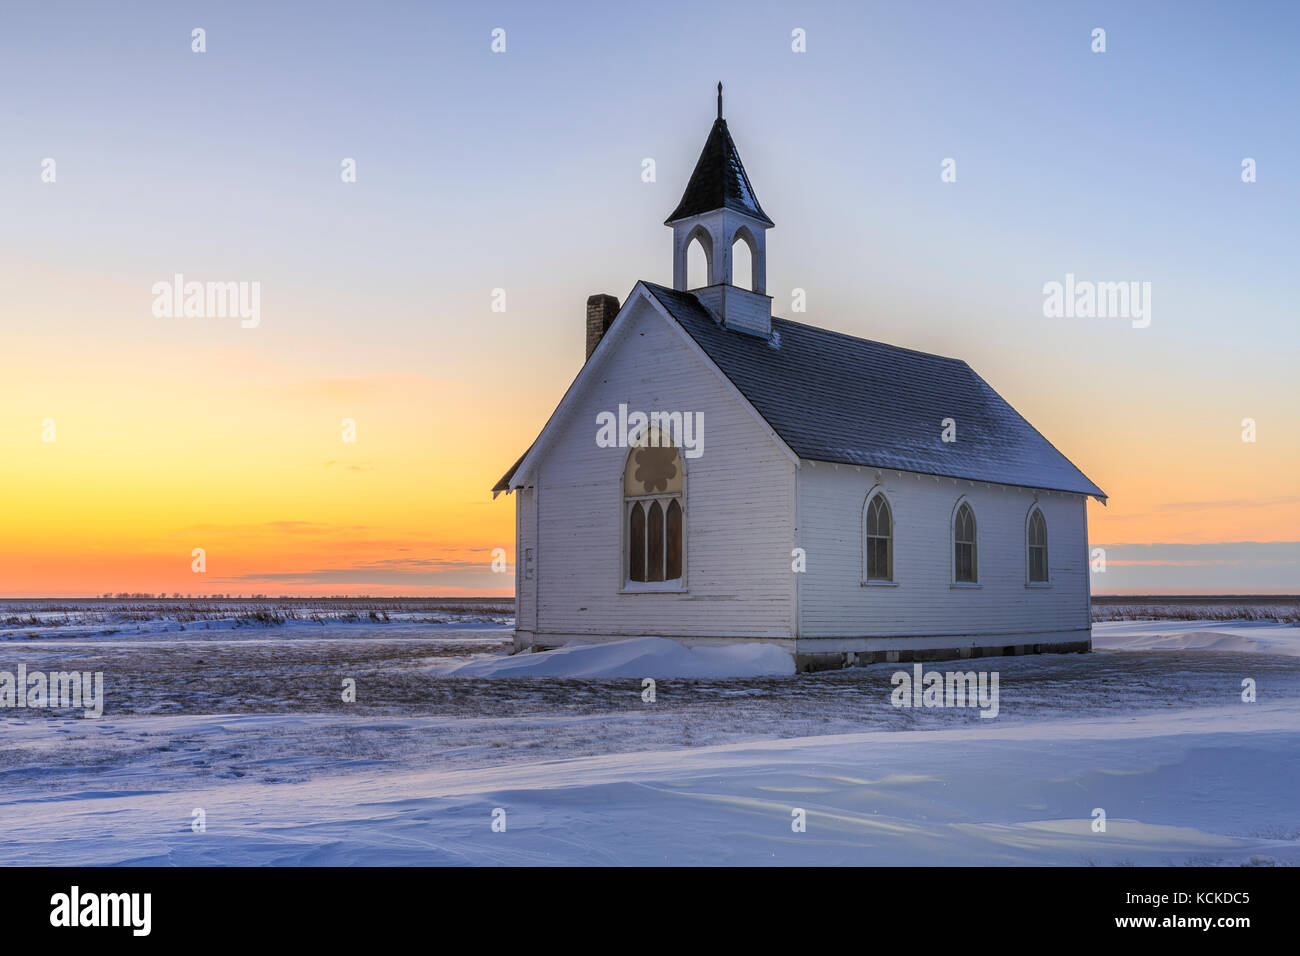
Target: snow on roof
<point>836,398</point>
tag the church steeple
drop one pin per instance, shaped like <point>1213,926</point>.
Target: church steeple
<point>719,180</point>
<point>719,209</point>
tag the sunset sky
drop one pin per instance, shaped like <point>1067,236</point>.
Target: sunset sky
<point>522,170</point>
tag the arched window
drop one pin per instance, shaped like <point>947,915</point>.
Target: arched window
<point>746,260</point>
<point>965,557</point>
<point>654,514</point>
<point>742,263</point>
<point>879,539</point>
<point>1037,543</point>
<point>699,259</point>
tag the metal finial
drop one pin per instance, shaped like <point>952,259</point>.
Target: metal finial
<point>719,101</point>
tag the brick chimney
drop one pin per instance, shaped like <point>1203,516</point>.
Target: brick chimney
<point>601,310</point>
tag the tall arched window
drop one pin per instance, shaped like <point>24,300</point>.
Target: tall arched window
<point>1037,543</point>
<point>879,539</point>
<point>654,515</point>
<point>965,557</point>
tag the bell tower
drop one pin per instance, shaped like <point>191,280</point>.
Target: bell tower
<point>718,209</point>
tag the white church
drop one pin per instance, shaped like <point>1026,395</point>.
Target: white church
<point>718,474</point>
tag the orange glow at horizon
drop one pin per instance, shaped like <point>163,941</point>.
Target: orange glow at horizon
<point>163,445</point>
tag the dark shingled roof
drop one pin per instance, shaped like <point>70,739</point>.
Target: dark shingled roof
<point>504,483</point>
<point>719,180</point>
<point>832,397</point>
<point>836,398</point>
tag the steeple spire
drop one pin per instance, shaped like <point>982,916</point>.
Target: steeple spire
<point>720,212</point>
<point>719,180</point>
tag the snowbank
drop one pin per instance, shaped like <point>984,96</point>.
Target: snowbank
<point>1239,637</point>
<point>1201,786</point>
<point>636,657</point>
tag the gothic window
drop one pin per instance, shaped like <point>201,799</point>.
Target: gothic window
<point>879,539</point>
<point>1037,547</point>
<point>965,557</point>
<point>654,515</point>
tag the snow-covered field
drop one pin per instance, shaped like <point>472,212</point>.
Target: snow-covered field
<point>247,723</point>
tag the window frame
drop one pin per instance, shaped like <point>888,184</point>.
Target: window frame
<point>1036,509</point>
<point>628,503</point>
<point>953,581</point>
<point>878,491</point>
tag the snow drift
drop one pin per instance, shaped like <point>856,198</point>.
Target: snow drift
<point>1239,637</point>
<point>635,657</point>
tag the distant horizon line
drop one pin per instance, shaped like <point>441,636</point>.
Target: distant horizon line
<point>146,596</point>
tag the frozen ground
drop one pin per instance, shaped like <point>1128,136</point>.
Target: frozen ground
<point>247,723</point>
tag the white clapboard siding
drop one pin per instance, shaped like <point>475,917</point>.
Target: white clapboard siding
<point>525,559</point>
<point>739,504</point>
<point>834,603</point>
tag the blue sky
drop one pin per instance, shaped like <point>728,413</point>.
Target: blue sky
<point>522,171</point>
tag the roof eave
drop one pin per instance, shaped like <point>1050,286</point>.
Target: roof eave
<point>1092,492</point>
<point>758,217</point>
